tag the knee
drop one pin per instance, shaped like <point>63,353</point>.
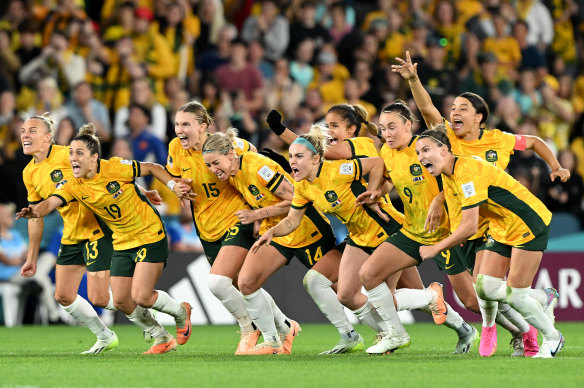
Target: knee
<point>99,299</point>
<point>219,284</point>
<point>248,284</point>
<point>346,298</point>
<point>471,303</point>
<point>516,297</point>
<point>143,298</point>
<point>64,299</point>
<point>491,288</point>
<point>314,280</point>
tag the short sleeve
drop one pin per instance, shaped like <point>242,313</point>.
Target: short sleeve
<point>172,161</point>
<point>64,192</point>
<point>300,201</point>
<point>125,169</point>
<point>241,146</point>
<point>33,196</point>
<point>269,177</point>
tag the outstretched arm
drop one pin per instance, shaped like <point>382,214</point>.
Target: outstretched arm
<point>180,187</point>
<point>409,71</point>
<point>283,228</point>
<point>544,151</point>
<point>41,209</point>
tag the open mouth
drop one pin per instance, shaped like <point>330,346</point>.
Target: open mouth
<point>76,169</point>
<point>295,172</point>
<point>183,140</point>
<point>333,141</point>
<point>457,125</point>
<point>429,166</point>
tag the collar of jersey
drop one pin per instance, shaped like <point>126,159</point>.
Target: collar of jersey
<point>319,168</point>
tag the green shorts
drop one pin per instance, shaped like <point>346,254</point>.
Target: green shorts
<point>539,243</point>
<point>446,261</point>
<point>467,253</point>
<point>238,235</point>
<point>368,250</point>
<point>124,262</point>
<point>308,254</point>
<point>96,255</point>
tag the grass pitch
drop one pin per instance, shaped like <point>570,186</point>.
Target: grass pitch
<point>49,357</point>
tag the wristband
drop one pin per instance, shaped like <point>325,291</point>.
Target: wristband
<point>170,184</point>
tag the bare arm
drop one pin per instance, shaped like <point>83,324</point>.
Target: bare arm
<point>339,151</point>
<point>544,151</point>
<point>181,188</point>
<point>285,191</point>
<point>283,228</point>
<point>423,100</point>
<point>374,167</point>
<point>35,235</point>
<point>468,226</point>
<point>41,209</point>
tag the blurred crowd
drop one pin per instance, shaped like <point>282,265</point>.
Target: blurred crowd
<point>127,66</point>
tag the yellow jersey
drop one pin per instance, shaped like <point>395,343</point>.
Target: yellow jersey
<point>335,190</point>
<point>257,180</point>
<point>41,181</point>
<point>515,215</point>
<point>362,147</point>
<point>115,198</point>
<point>493,146</point>
<point>217,200</point>
<point>416,189</point>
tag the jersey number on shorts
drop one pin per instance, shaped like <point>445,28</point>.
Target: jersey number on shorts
<point>446,255</point>
<point>409,194</point>
<point>317,255</point>
<point>91,252</point>
<point>210,190</point>
<point>140,255</point>
<point>114,211</point>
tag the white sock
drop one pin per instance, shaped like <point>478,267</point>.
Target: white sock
<point>280,320</point>
<point>539,295</point>
<point>453,320</point>
<point>382,300</point>
<point>166,304</point>
<point>533,313</point>
<point>319,288</point>
<point>83,313</point>
<point>141,317</point>
<point>411,299</point>
<point>222,287</point>
<point>518,323</point>
<point>369,316</point>
<point>261,313</point>
<point>490,290</point>
<point>110,302</point>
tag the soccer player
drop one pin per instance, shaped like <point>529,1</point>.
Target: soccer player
<point>344,123</point>
<point>518,225</point>
<point>140,245</point>
<point>86,244</point>
<point>416,189</point>
<point>468,136</point>
<point>225,239</point>
<point>267,188</point>
<point>333,186</point>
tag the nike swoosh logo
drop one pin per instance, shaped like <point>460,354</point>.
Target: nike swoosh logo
<point>447,267</point>
<point>188,331</point>
<point>82,198</point>
<point>90,263</point>
<point>167,345</point>
<point>185,169</point>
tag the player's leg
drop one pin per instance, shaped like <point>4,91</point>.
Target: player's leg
<point>256,269</point>
<point>318,281</point>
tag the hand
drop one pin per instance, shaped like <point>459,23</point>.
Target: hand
<point>435,214</point>
<point>406,69</point>
<point>375,207</point>
<point>246,216</point>
<point>274,121</point>
<point>256,229</point>
<point>26,212</point>
<point>28,269</point>
<point>562,173</point>
<point>368,197</point>
<point>428,252</point>
<point>153,196</point>
<point>266,238</point>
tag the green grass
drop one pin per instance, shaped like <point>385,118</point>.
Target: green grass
<point>48,357</point>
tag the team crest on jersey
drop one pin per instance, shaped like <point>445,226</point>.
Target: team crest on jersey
<point>255,192</point>
<point>416,169</point>
<point>490,242</point>
<point>491,156</point>
<point>113,187</point>
<point>57,176</point>
<point>332,198</point>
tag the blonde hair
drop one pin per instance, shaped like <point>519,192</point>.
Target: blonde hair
<point>49,123</point>
<point>87,134</point>
<point>220,142</point>
<point>319,137</point>
<point>196,108</point>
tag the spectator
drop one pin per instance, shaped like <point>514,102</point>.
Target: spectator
<point>282,92</point>
<point>83,108</point>
<point>145,146</point>
<point>212,20</point>
<point>235,109</point>
<point>339,27</point>
<point>526,95</point>
<point>239,75</point>
<point>142,94</point>
<point>539,20</point>
<point>271,29</point>
<point>448,26</point>
<point>531,57</point>
<point>210,95</point>
<point>48,98</point>
<point>256,57</point>
<point>306,27</point>
<point>183,234</point>
<point>505,47</point>
<point>219,54</point>
<point>330,78</point>
<point>353,94</point>
<point>65,131</point>
<point>300,68</point>
<point>567,196</point>
<point>13,251</point>
<point>556,116</point>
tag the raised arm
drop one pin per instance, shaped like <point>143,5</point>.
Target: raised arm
<point>274,121</point>
<point>423,100</point>
<point>180,187</point>
<point>544,151</point>
<point>282,228</point>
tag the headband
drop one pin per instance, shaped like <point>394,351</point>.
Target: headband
<point>305,143</point>
<point>433,138</point>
